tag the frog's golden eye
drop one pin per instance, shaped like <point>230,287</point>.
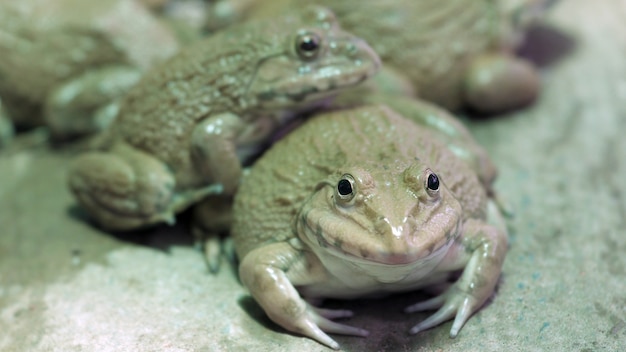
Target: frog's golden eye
<point>432,184</point>
<point>345,188</point>
<point>308,45</point>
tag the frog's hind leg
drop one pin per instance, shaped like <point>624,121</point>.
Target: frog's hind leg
<point>127,189</point>
<point>498,82</point>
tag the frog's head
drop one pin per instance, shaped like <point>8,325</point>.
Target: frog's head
<point>311,58</point>
<point>381,216</point>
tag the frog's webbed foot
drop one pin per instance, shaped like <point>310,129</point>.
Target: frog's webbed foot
<point>452,303</point>
<point>271,274</point>
<point>500,82</point>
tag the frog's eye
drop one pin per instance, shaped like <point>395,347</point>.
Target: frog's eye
<point>308,45</point>
<point>432,184</point>
<point>345,188</point>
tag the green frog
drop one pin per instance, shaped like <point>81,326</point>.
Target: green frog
<point>364,202</point>
<point>65,63</point>
<point>456,53</point>
<point>185,130</point>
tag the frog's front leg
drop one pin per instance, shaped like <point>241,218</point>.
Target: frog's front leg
<point>271,274</point>
<point>498,82</point>
<point>482,249</point>
<point>88,103</point>
<point>221,143</point>
<point>125,188</point>
<point>214,150</point>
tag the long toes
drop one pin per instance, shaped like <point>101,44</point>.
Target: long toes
<point>443,314</point>
<point>337,328</point>
<point>312,330</point>
<point>462,315</point>
<point>428,304</point>
<point>334,313</point>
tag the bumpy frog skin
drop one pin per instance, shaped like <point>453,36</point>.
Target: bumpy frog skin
<point>456,53</point>
<point>65,62</point>
<point>364,202</point>
<point>184,129</point>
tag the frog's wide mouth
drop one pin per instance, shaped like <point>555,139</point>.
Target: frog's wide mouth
<point>413,258</point>
<point>351,242</point>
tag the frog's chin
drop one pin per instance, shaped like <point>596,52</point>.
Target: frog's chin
<point>399,269</point>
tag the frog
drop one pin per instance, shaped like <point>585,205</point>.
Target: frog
<point>459,54</point>
<point>66,63</point>
<point>365,202</point>
<point>185,132</point>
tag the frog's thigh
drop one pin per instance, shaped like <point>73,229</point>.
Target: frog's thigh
<point>271,272</point>
<point>214,150</point>
<point>122,190</point>
<point>87,103</point>
<point>499,82</point>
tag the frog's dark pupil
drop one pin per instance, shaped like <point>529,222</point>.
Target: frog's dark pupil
<point>308,43</point>
<point>433,182</point>
<point>344,187</point>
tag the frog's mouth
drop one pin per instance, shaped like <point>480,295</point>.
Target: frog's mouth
<point>382,263</point>
<point>340,237</point>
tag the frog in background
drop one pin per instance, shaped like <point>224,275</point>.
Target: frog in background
<point>456,53</point>
<point>65,63</point>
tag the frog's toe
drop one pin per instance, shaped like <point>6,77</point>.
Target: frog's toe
<point>460,306</point>
<point>315,323</point>
<point>334,313</point>
<point>337,328</point>
<point>212,253</point>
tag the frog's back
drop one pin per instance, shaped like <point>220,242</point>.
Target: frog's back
<point>278,184</point>
<point>429,41</point>
<point>209,77</point>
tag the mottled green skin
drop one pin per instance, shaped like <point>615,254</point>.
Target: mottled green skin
<point>296,233</point>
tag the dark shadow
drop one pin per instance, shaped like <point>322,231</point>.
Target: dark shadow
<point>545,45</point>
<point>254,311</point>
<point>160,237</point>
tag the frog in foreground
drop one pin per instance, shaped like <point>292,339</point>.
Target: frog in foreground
<point>184,130</point>
<point>364,202</point>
